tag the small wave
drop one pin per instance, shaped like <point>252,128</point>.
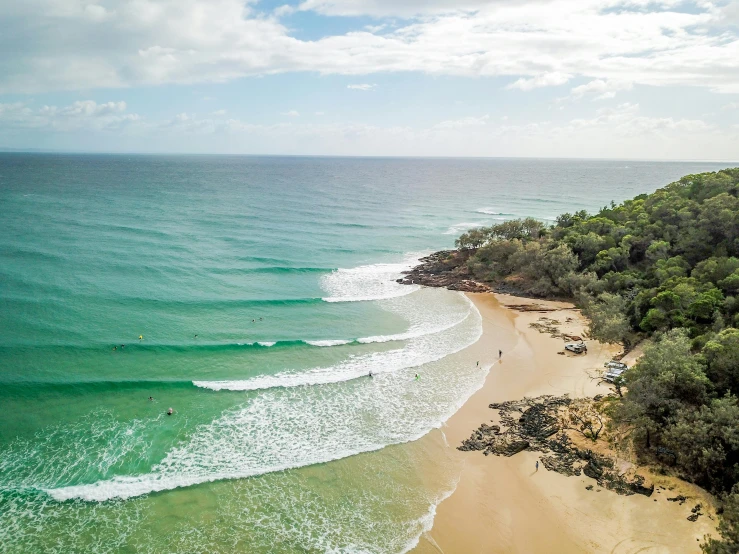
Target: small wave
<point>266,343</point>
<point>412,333</point>
<point>462,227</point>
<point>410,289</point>
<point>368,282</point>
<point>490,211</point>
<point>422,351</point>
<point>261,435</point>
<point>283,269</point>
<point>235,455</point>
<point>426,522</point>
<point>337,342</point>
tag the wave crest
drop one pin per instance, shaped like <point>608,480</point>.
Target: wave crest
<point>368,282</point>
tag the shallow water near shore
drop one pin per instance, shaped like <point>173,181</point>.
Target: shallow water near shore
<point>263,291</point>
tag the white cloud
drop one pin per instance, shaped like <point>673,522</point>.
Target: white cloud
<point>375,28</point>
<point>462,122</point>
<point>731,106</point>
<point>291,113</point>
<point>544,80</point>
<point>625,120</point>
<point>390,8</point>
<point>219,112</point>
<point>85,114</point>
<point>61,44</point>
<point>285,9</point>
<point>320,113</point>
<point>364,86</point>
<point>600,89</point>
<point>620,131</point>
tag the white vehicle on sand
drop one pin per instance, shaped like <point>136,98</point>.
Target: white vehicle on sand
<point>576,347</point>
<point>614,369</point>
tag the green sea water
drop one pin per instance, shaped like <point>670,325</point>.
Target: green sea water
<point>263,292</point>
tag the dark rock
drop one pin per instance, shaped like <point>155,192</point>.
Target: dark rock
<point>680,498</point>
<point>447,268</point>
<point>589,488</point>
<point>504,448</point>
<point>563,465</point>
<point>532,424</point>
<point>694,517</point>
<point>594,471</point>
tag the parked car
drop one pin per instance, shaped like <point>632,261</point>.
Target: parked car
<point>576,347</point>
<point>610,376</point>
<point>614,369</point>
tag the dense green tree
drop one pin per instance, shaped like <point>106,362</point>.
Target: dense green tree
<point>667,378</point>
<point>474,238</point>
<point>607,318</point>
<point>706,441</point>
<point>722,361</point>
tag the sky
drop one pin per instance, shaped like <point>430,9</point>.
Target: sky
<point>542,78</point>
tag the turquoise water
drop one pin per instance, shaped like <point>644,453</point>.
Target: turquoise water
<point>263,290</point>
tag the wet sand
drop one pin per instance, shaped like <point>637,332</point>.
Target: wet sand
<point>504,504</point>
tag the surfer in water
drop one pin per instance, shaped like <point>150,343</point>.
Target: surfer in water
<point>370,373</point>
<point>417,376</point>
<point>170,411</point>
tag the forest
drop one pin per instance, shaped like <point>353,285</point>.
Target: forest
<point>662,267</point>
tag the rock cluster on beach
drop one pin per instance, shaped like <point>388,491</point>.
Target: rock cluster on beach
<point>534,424</point>
<point>444,269</point>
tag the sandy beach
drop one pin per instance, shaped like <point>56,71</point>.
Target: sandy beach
<point>505,504</point>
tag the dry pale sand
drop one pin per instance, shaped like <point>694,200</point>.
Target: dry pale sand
<point>504,504</point>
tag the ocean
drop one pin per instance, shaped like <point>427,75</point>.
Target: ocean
<point>253,296</point>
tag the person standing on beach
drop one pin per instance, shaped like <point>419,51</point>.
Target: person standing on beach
<point>478,364</point>
<point>500,353</point>
<point>537,465</point>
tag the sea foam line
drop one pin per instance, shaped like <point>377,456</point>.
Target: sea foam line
<point>124,487</point>
<point>427,520</point>
<point>324,343</point>
<point>378,362</point>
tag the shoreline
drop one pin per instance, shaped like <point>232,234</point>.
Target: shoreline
<point>503,504</point>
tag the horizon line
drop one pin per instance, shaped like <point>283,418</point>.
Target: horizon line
<point>7,150</point>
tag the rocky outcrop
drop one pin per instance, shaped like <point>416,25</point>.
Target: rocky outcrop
<point>532,424</point>
<point>444,269</point>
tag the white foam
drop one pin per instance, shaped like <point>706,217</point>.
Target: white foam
<point>368,282</point>
<point>275,432</point>
<point>424,346</point>
<point>414,332</point>
<point>337,342</point>
<point>292,427</point>
<point>426,521</point>
<point>462,227</point>
<point>489,211</point>
<point>266,343</point>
